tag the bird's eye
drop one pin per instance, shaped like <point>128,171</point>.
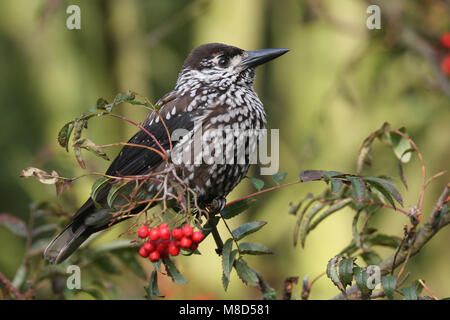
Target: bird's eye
<point>223,62</point>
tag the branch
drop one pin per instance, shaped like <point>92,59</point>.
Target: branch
<point>10,287</point>
<point>434,223</point>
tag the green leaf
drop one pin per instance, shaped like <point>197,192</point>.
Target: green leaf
<point>358,188</point>
<point>228,258</point>
<point>173,272</point>
<point>64,135</point>
<point>226,254</point>
<point>257,183</point>
<point>245,273</point>
<point>14,224</point>
<point>247,228</point>
<point>336,185</point>
<point>89,145</point>
<point>346,271</point>
<point>409,293</point>
<point>152,290</point>
<point>98,185</point>
<point>279,177</point>
<point>253,248</point>
<point>307,219</point>
<point>236,208</point>
<point>389,283</point>
<point>101,104</point>
<point>371,258</point>
<point>401,146</point>
<point>385,187</point>
<point>361,277</point>
<point>384,240</point>
<point>332,273</point>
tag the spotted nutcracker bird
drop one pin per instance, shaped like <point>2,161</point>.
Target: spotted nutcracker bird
<point>214,90</point>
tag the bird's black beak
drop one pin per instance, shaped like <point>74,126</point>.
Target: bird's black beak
<point>257,57</point>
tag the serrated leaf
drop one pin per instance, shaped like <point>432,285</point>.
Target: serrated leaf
<point>152,290</point>
<point>409,293</point>
<point>389,283</point>
<point>402,174</point>
<point>173,272</point>
<point>245,273</point>
<point>384,240</point>
<point>14,224</point>
<point>385,187</point>
<point>89,145</point>
<point>257,183</point>
<point>279,177</point>
<point>236,208</point>
<point>226,253</point>
<point>253,248</point>
<point>101,104</point>
<point>247,228</point>
<point>64,135</point>
<point>228,257</point>
<point>310,175</point>
<point>361,277</point>
<point>336,185</point>
<point>332,272</point>
<point>346,271</point>
<point>358,188</point>
<point>303,231</point>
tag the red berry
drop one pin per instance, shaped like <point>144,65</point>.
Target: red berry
<point>154,256</point>
<point>445,39</point>
<point>187,230</point>
<point>149,246</point>
<point>154,234</point>
<point>144,253</point>
<point>185,242</point>
<point>163,226</point>
<point>164,233</point>
<point>445,65</point>
<point>197,237</point>
<point>143,232</point>
<point>193,246</point>
<point>161,247</point>
<point>177,233</point>
<point>173,249</point>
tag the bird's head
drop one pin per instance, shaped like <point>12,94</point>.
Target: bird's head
<point>220,65</point>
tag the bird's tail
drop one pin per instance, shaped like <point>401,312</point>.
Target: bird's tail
<point>66,242</point>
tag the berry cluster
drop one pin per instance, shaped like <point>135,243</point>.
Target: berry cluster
<point>162,242</point>
<point>445,43</point>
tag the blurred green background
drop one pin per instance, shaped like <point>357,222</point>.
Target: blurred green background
<point>339,82</point>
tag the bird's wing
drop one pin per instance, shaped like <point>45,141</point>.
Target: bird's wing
<point>135,160</point>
